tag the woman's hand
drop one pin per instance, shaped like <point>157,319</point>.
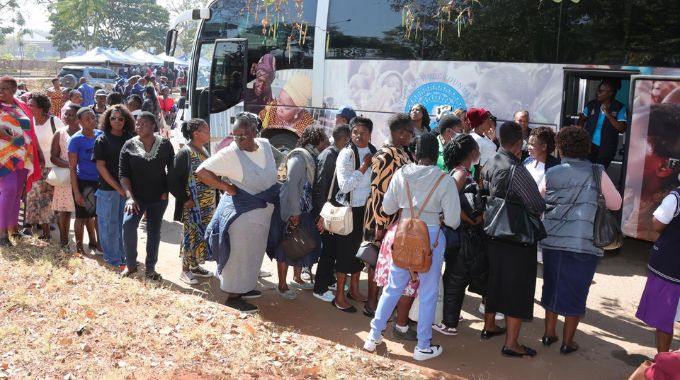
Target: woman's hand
<point>131,206</point>
<point>379,234</point>
<point>295,220</point>
<point>319,225</point>
<point>229,189</point>
<point>80,201</point>
<point>189,204</point>
<point>366,164</point>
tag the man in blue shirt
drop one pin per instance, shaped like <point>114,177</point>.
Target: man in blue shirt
<point>87,92</point>
<point>604,118</point>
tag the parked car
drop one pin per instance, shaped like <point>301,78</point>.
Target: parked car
<point>97,77</point>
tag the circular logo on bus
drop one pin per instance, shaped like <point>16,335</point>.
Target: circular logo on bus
<point>433,95</point>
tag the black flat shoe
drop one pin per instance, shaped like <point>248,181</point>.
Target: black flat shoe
<point>548,340</point>
<point>566,349</point>
<point>527,352</point>
<point>368,313</point>
<point>350,309</point>
<point>487,334</point>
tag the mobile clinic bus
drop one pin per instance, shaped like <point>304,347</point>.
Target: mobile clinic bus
<point>295,61</point>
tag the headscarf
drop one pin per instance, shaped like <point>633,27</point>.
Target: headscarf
<point>299,88</point>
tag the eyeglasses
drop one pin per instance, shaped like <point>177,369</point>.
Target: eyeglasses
<point>119,118</point>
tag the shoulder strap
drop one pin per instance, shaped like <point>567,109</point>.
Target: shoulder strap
<point>598,178</point>
<point>54,129</point>
<point>512,177</point>
<point>676,192</point>
<point>330,190</point>
<point>427,199</point>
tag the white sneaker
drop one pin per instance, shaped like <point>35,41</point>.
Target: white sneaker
<point>188,278</point>
<point>434,351</point>
<point>334,287</point>
<point>264,274</point>
<point>326,297</point>
<point>500,316</point>
<point>306,274</point>
<point>482,308</point>
<point>370,345</point>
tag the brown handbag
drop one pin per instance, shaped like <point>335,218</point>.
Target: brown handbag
<point>411,248</point>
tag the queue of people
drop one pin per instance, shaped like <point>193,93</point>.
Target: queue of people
<point>116,169</point>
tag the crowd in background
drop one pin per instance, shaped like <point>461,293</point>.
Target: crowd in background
<point>106,158</point>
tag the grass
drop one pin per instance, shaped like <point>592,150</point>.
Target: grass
<point>66,317</point>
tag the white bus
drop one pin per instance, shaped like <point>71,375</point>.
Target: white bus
<point>296,61</point>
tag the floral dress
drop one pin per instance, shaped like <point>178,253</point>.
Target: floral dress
<point>62,199</point>
<point>193,248</point>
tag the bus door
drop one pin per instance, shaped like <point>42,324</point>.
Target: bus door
<point>228,75</point>
<point>653,160</point>
<point>580,87</point>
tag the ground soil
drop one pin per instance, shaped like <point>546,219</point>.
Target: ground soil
<point>613,342</point>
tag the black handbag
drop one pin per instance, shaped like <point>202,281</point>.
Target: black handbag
<point>368,253</point>
<point>297,243</point>
<point>508,220</point>
<point>607,232</point>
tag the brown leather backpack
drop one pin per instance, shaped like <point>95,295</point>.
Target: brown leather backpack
<point>411,247</point>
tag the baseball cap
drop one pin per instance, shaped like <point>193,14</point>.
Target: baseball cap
<point>100,93</point>
<point>347,112</point>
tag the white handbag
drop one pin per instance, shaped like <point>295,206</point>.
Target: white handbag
<point>337,220</point>
<point>59,176</point>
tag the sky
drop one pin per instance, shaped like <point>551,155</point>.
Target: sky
<point>37,15</point>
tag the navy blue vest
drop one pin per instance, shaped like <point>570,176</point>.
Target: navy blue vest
<point>610,136</point>
<point>665,259</point>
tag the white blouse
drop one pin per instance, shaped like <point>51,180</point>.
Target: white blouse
<point>225,162</point>
<point>44,134</point>
<point>351,180</point>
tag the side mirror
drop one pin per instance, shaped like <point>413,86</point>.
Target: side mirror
<point>170,42</point>
<point>200,14</point>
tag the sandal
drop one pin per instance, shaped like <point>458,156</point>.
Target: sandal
<point>368,313</point>
<point>45,237</point>
<point>95,248</point>
<point>444,329</point>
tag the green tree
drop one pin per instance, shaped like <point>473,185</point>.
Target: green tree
<point>6,25</point>
<point>119,24</point>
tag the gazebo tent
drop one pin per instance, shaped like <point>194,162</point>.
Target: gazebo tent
<point>167,58</point>
<point>145,57</point>
<point>102,56</point>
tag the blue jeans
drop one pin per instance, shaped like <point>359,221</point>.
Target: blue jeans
<point>154,218</point>
<point>110,207</point>
<point>427,291</point>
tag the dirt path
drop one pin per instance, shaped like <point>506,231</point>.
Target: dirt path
<point>613,342</point>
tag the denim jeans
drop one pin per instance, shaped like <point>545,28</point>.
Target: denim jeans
<point>154,218</point>
<point>427,291</point>
<point>110,207</point>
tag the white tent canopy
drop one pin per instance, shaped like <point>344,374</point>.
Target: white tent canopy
<point>102,56</point>
<point>167,58</point>
<point>145,57</point>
